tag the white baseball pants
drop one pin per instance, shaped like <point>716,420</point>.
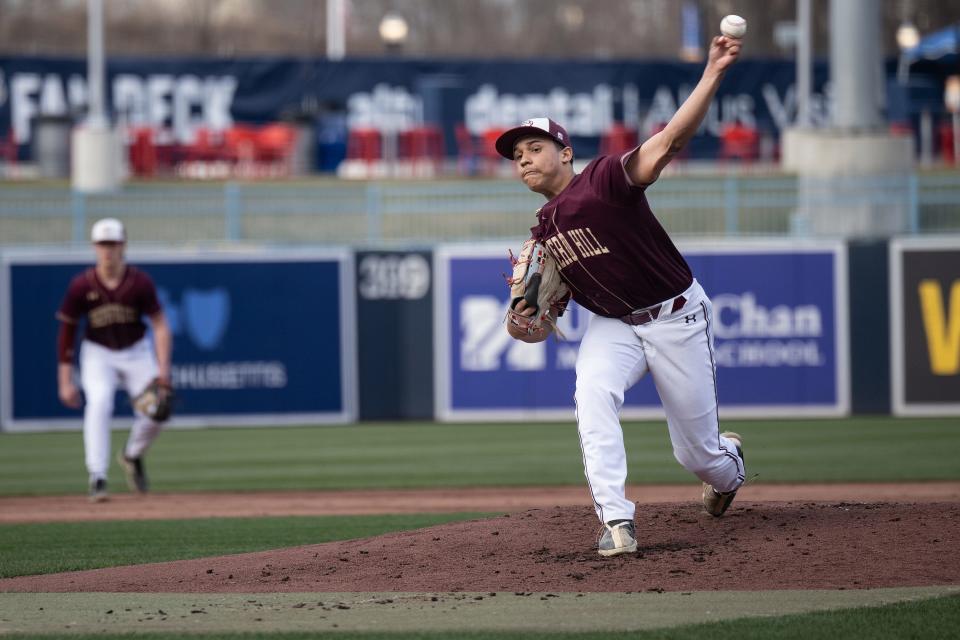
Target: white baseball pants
<point>102,371</point>
<point>677,350</point>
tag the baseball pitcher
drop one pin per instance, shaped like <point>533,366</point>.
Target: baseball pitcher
<point>650,314</point>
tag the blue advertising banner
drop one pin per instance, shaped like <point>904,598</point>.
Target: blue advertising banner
<point>178,96</point>
<point>779,327</point>
<point>264,339</point>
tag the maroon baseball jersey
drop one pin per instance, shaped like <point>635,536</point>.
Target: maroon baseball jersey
<point>114,316</point>
<point>611,249</point>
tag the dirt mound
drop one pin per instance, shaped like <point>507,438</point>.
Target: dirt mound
<point>756,546</point>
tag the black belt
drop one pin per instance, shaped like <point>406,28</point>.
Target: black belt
<point>643,316</point>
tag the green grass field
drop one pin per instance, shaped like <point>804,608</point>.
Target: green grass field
<point>921,620</point>
<point>37,548</point>
<point>429,455</point>
<point>406,455</point>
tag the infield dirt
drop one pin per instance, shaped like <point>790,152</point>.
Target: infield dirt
<point>755,546</point>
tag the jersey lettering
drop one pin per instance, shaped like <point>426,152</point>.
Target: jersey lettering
<point>114,316</point>
<point>108,314</point>
<point>584,240</point>
<point>561,250</point>
<point>600,248</point>
<point>612,251</point>
<point>570,246</point>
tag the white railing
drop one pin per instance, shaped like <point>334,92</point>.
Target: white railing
<point>383,213</point>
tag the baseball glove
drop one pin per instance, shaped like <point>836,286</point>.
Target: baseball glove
<point>536,279</point>
<point>156,401</point>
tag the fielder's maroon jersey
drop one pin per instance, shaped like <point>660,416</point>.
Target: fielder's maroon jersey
<point>114,316</point>
<point>611,249</point>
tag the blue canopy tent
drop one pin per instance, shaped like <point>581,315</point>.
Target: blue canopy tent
<point>935,57</point>
<point>922,69</point>
<point>941,46</point>
<point>937,53</point>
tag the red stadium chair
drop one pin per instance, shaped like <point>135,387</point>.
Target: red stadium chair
<point>143,153</point>
<point>739,142</point>
<point>426,142</point>
<point>466,150</point>
<point>492,161</point>
<point>240,144</point>
<point>207,146</point>
<point>365,145</point>
<point>618,139</point>
<point>8,148</point>
<point>275,142</point>
<point>422,149</point>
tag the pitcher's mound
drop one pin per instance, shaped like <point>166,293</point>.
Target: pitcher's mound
<point>755,546</point>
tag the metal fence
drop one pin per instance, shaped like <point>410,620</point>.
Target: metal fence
<point>384,213</point>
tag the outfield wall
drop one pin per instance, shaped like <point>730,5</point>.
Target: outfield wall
<point>779,324</point>
<point>261,337</point>
<point>925,325</point>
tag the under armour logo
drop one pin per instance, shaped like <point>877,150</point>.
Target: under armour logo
<point>690,318</point>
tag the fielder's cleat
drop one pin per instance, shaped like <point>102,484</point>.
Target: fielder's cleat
<point>714,502</point>
<point>98,490</point>
<point>134,472</point>
<point>618,537</point>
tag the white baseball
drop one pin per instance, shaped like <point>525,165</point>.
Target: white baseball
<point>733,26</point>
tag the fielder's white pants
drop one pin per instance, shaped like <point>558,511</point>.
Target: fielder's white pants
<point>102,371</point>
<point>677,350</point>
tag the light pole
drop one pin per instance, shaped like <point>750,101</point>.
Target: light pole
<point>336,29</point>
<point>96,147</point>
<point>804,61</point>
<point>839,164</point>
<point>96,112</point>
<point>394,31</point>
<point>908,37</point>
<point>951,98</point>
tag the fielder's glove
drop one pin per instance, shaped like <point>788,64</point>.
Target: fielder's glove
<point>156,401</point>
<point>536,279</point>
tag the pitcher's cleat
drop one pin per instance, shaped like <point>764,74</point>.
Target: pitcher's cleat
<point>714,502</point>
<point>98,490</point>
<point>134,472</point>
<point>618,537</point>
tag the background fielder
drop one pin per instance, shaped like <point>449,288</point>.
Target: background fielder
<point>651,315</point>
<point>112,297</point>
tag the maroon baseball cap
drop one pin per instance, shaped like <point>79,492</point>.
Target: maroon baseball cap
<point>533,126</point>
